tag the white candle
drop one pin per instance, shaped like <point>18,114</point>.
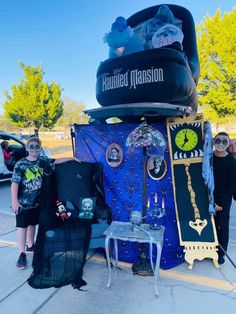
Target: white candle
<point>163,203</point>
<point>148,203</point>
<point>155,198</point>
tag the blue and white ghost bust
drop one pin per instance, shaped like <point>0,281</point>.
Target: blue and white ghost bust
<point>121,39</point>
<point>167,35</point>
<point>163,16</point>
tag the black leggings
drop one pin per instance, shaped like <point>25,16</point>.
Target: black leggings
<point>222,229</point>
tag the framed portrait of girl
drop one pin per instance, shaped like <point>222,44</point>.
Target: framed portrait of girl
<point>114,155</point>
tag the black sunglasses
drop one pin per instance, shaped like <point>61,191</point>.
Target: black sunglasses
<point>34,147</point>
<point>224,142</point>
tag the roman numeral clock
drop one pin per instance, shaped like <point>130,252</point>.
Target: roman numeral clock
<point>196,227</point>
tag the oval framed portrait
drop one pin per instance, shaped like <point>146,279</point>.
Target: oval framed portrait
<point>114,155</point>
<point>156,167</point>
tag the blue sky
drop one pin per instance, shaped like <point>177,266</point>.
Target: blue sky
<point>65,37</point>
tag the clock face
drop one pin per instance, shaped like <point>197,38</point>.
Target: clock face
<point>186,139</point>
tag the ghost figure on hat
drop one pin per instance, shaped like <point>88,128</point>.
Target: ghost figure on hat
<point>164,16</point>
<point>121,39</point>
<point>167,35</point>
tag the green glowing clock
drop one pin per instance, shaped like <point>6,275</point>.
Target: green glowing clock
<point>186,139</point>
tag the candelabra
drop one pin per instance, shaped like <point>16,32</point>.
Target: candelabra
<point>158,213</point>
<point>143,266</point>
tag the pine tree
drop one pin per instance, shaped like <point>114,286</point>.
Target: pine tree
<point>34,103</point>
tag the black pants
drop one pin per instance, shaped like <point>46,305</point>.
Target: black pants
<point>222,229</point>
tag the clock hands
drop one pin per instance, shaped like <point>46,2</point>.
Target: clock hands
<point>185,139</point>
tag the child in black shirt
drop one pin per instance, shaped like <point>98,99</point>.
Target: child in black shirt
<point>224,168</point>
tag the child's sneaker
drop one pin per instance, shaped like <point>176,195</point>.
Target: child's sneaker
<point>21,263</point>
<point>30,249</point>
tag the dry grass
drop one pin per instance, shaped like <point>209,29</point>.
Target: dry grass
<point>55,143</point>
<point>66,154</point>
<point>58,148</point>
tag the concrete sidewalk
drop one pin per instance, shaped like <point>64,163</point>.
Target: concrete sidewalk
<point>203,290</point>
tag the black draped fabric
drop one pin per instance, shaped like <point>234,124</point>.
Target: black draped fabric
<point>62,257</point>
<point>76,180</point>
<point>61,246</point>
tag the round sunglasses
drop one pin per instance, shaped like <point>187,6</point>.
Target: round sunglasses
<point>219,141</point>
<point>33,147</point>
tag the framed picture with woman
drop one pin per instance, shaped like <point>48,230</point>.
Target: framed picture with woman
<point>156,167</point>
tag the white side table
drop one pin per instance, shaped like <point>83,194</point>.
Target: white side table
<point>123,231</point>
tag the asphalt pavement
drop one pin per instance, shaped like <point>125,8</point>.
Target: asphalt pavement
<point>204,289</point>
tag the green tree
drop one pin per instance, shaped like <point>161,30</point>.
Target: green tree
<point>72,113</point>
<point>7,126</point>
<point>217,51</point>
<point>34,103</point>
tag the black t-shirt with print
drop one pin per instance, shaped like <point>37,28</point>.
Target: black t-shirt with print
<point>29,175</point>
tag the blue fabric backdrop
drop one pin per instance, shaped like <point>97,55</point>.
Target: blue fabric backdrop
<point>123,184</point>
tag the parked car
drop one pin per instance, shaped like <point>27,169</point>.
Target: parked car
<point>17,146</point>
<point>24,136</point>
